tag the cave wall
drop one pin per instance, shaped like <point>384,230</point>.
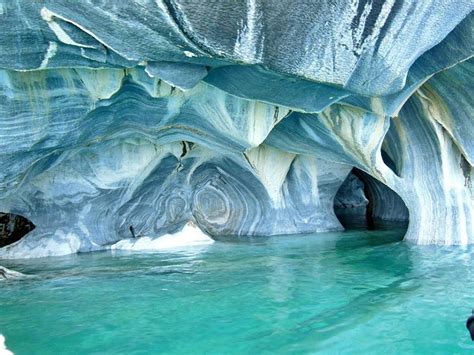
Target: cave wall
<point>243,117</point>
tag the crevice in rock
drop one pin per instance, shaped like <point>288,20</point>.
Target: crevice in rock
<point>184,149</point>
<point>466,170</point>
<point>390,163</point>
<point>364,202</point>
<point>13,227</point>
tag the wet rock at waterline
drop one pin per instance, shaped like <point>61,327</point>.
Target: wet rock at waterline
<point>190,235</point>
<point>155,115</point>
<point>3,348</point>
<point>7,274</point>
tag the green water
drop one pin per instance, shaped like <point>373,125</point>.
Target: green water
<point>352,292</point>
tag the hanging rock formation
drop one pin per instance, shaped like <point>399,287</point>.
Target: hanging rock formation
<point>242,117</point>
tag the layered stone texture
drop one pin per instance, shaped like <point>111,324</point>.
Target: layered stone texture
<point>244,118</point>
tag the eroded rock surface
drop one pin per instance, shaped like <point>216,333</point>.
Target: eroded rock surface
<point>7,274</point>
<point>244,118</point>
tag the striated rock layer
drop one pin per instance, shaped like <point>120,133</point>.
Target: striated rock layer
<point>242,117</point>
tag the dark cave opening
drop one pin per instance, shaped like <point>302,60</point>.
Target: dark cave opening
<point>13,227</point>
<point>363,202</point>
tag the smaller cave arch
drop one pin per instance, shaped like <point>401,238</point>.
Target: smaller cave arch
<point>13,227</point>
<point>364,202</point>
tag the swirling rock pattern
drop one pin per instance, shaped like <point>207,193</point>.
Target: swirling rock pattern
<point>244,117</point>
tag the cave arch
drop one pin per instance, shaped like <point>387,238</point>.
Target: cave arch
<point>364,202</point>
<point>13,227</point>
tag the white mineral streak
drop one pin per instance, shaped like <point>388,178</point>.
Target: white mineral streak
<point>272,166</point>
<point>48,16</point>
<point>436,180</point>
<point>50,53</point>
<point>248,45</point>
<point>101,84</point>
<point>339,61</point>
<point>316,171</point>
<point>447,192</point>
<point>262,119</point>
<point>154,86</point>
<point>256,118</point>
<point>350,131</point>
<point>189,236</point>
<point>189,54</point>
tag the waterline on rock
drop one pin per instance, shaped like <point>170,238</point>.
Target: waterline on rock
<point>3,348</point>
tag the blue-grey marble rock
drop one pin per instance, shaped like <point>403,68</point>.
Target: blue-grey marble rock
<point>182,75</point>
<point>242,117</point>
<point>366,46</point>
<point>257,83</point>
<point>351,194</point>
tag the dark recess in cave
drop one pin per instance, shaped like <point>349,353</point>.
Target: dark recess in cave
<point>13,227</point>
<point>363,202</point>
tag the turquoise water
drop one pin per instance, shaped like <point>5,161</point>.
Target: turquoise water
<point>353,292</point>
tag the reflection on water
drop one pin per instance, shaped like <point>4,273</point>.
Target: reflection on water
<point>350,292</point>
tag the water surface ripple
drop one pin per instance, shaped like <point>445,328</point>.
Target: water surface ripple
<point>351,292</point>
